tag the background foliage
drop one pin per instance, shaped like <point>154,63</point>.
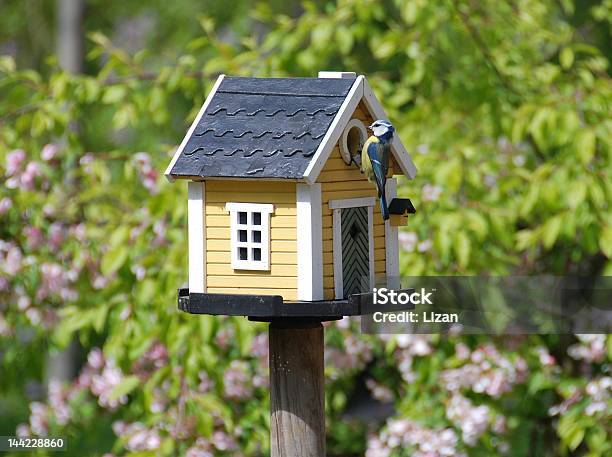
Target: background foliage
<point>505,106</point>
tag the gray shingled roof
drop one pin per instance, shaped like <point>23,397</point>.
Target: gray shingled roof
<point>262,127</point>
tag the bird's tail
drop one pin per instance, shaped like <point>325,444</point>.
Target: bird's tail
<point>383,207</point>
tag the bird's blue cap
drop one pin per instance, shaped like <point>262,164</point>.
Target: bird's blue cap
<point>384,122</point>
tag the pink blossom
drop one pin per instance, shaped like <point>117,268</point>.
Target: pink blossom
<point>236,380</point>
<point>95,359</point>
<point>590,348</point>
<point>405,433</point>
<point>56,235</point>
<point>23,431</point>
<point>14,160</point>
<point>159,229</point>
<point>379,392</point>
<point>201,448</point>
<point>424,246</point>
<point>259,346</point>
<point>30,174</point>
<point>139,437</point>
<point>147,172</point>
<point>39,418</point>
<point>431,193</point>
<point>102,385</point>
<point>78,231</point>
<point>224,336</point>
<point>408,241</point>
<point>58,401</point>
<point>205,382</point>
<point>34,237</point>
<point>13,258</point>
<point>139,271</point>
<point>99,282</point>
<point>4,327</point>
<point>222,441</point>
<point>49,152</point>
<point>5,204</point>
<point>85,162</point>
<point>545,357</point>
<point>473,420</point>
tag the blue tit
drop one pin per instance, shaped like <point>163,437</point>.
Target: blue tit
<point>375,159</point>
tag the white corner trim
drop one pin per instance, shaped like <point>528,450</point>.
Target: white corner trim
<point>195,123</point>
<point>371,245</point>
<point>337,74</point>
<point>334,131</point>
<point>309,242</point>
<point>250,228</point>
<point>337,252</point>
<point>196,221</point>
<point>397,148</point>
<point>391,242</point>
<point>352,202</point>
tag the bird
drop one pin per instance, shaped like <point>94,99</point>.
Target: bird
<point>375,159</point>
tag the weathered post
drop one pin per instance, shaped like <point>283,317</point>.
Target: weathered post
<point>297,389</point>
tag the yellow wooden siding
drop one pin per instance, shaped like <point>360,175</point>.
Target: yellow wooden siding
<point>340,181</point>
<point>281,279</point>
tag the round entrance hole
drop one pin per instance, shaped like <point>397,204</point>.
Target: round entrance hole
<point>352,140</point>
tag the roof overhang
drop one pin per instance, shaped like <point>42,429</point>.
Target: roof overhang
<point>360,90</point>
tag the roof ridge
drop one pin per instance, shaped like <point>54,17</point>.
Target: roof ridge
<point>280,94</point>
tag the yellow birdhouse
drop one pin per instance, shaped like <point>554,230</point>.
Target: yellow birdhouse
<point>278,210</point>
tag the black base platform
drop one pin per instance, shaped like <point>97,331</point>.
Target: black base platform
<point>269,308</point>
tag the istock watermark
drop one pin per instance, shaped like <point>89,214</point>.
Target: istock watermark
<point>383,296</point>
<point>489,305</point>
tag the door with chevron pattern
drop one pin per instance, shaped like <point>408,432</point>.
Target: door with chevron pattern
<point>355,250</point>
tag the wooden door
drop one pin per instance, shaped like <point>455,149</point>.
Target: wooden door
<point>355,250</point>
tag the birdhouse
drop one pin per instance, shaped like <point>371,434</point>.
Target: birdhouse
<point>278,208</point>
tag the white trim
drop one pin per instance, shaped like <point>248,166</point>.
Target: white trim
<point>345,153</point>
<point>334,131</point>
<point>337,244</point>
<point>371,245</point>
<point>261,207</point>
<point>397,148</point>
<point>337,74</point>
<point>309,242</point>
<point>360,90</point>
<point>250,228</point>
<point>196,223</point>
<point>391,242</point>
<point>352,202</point>
<point>195,123</point>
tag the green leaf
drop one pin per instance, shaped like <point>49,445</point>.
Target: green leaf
<point>566,58</point>
<point>585,145</point>
<point>344,37</point>
<point>576,194</point>
<point>462,249</point>
<point>113,259</point>
<point>550,231</point>
<point>605,241</point>
<point>114,94</point>
<point>126,385</point>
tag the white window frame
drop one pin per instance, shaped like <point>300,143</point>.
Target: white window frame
<point>265,210</point>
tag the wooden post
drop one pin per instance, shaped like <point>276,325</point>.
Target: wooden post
<point>297,389</point>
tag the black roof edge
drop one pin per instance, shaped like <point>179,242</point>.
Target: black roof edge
<point>401,206</point>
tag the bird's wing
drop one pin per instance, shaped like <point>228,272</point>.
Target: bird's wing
<point>377,166</point>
